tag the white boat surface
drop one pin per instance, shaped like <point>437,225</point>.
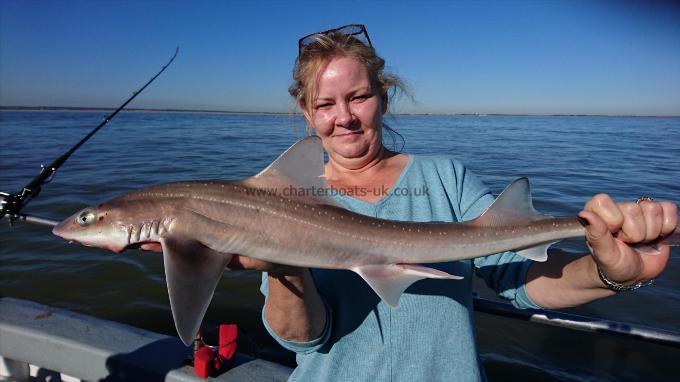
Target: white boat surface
<point>39,342</point>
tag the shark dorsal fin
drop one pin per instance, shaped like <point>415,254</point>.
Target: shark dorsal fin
<point>299,171</point>
<point>302,163</point>
<point>512,206</point>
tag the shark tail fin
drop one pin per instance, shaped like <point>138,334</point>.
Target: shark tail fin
<point>672,240</point>
<point>654,248</point>
<point>391,280</point>
<point>514,207</point>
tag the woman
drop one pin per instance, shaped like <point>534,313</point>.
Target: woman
<point>337,326</point>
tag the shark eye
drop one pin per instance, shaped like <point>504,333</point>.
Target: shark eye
<point>85,218</point>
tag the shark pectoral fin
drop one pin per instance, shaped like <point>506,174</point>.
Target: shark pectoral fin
<point>389,281</point>
<point>192,272</point>
<point>536,253</point>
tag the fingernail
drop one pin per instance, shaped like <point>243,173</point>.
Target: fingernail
<point>584,222</point>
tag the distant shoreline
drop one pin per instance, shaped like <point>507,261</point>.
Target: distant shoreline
<point>226,112</point>
<point>130,110</point>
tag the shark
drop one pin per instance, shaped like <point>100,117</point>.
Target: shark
<point>285,214</point>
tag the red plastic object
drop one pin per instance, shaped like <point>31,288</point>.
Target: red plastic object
<point>228,337</point>
<point>207,363</point>
<point>204,364</point>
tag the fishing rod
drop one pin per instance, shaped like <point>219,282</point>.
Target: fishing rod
<point>12,204</point>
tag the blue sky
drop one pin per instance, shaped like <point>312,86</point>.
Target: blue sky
<point>536,57</point>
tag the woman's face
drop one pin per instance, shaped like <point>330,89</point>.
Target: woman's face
<point>347,113</point>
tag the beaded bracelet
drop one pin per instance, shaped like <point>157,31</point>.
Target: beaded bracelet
<point>618,287</point>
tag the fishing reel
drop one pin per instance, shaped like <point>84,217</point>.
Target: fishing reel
<point>11,204</point>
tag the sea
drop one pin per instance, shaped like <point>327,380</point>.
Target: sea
<point>568,159</point>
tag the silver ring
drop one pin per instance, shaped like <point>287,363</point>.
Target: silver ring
<point>643,199</point>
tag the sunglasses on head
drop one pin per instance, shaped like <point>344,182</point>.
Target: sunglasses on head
<point>348,30</point>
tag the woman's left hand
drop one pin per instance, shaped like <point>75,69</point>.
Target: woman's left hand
<point>615,229</point>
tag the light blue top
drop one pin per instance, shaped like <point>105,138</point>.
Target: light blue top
<point>430,336</point>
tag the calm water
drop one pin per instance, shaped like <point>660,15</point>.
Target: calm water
<point>567,160</point>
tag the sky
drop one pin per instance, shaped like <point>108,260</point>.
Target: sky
<point>515,57</point>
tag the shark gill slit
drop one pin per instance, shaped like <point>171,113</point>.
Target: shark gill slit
<point>149,228</point>
<point>129,229</point>
<point>154,227</point>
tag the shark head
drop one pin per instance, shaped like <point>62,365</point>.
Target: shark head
<point>98,226</point>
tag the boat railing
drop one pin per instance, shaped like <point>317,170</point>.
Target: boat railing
<point>578,322</point>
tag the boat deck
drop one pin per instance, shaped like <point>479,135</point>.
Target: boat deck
<point>39,341</point>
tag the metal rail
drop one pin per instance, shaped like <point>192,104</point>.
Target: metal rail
<point>578,322</point>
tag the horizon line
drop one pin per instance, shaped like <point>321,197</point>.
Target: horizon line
<point>232,112</point>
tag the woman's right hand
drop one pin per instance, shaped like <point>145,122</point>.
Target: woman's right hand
<point>239,262</point>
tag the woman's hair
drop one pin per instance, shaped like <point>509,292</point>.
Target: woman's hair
<point>315,56</point>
